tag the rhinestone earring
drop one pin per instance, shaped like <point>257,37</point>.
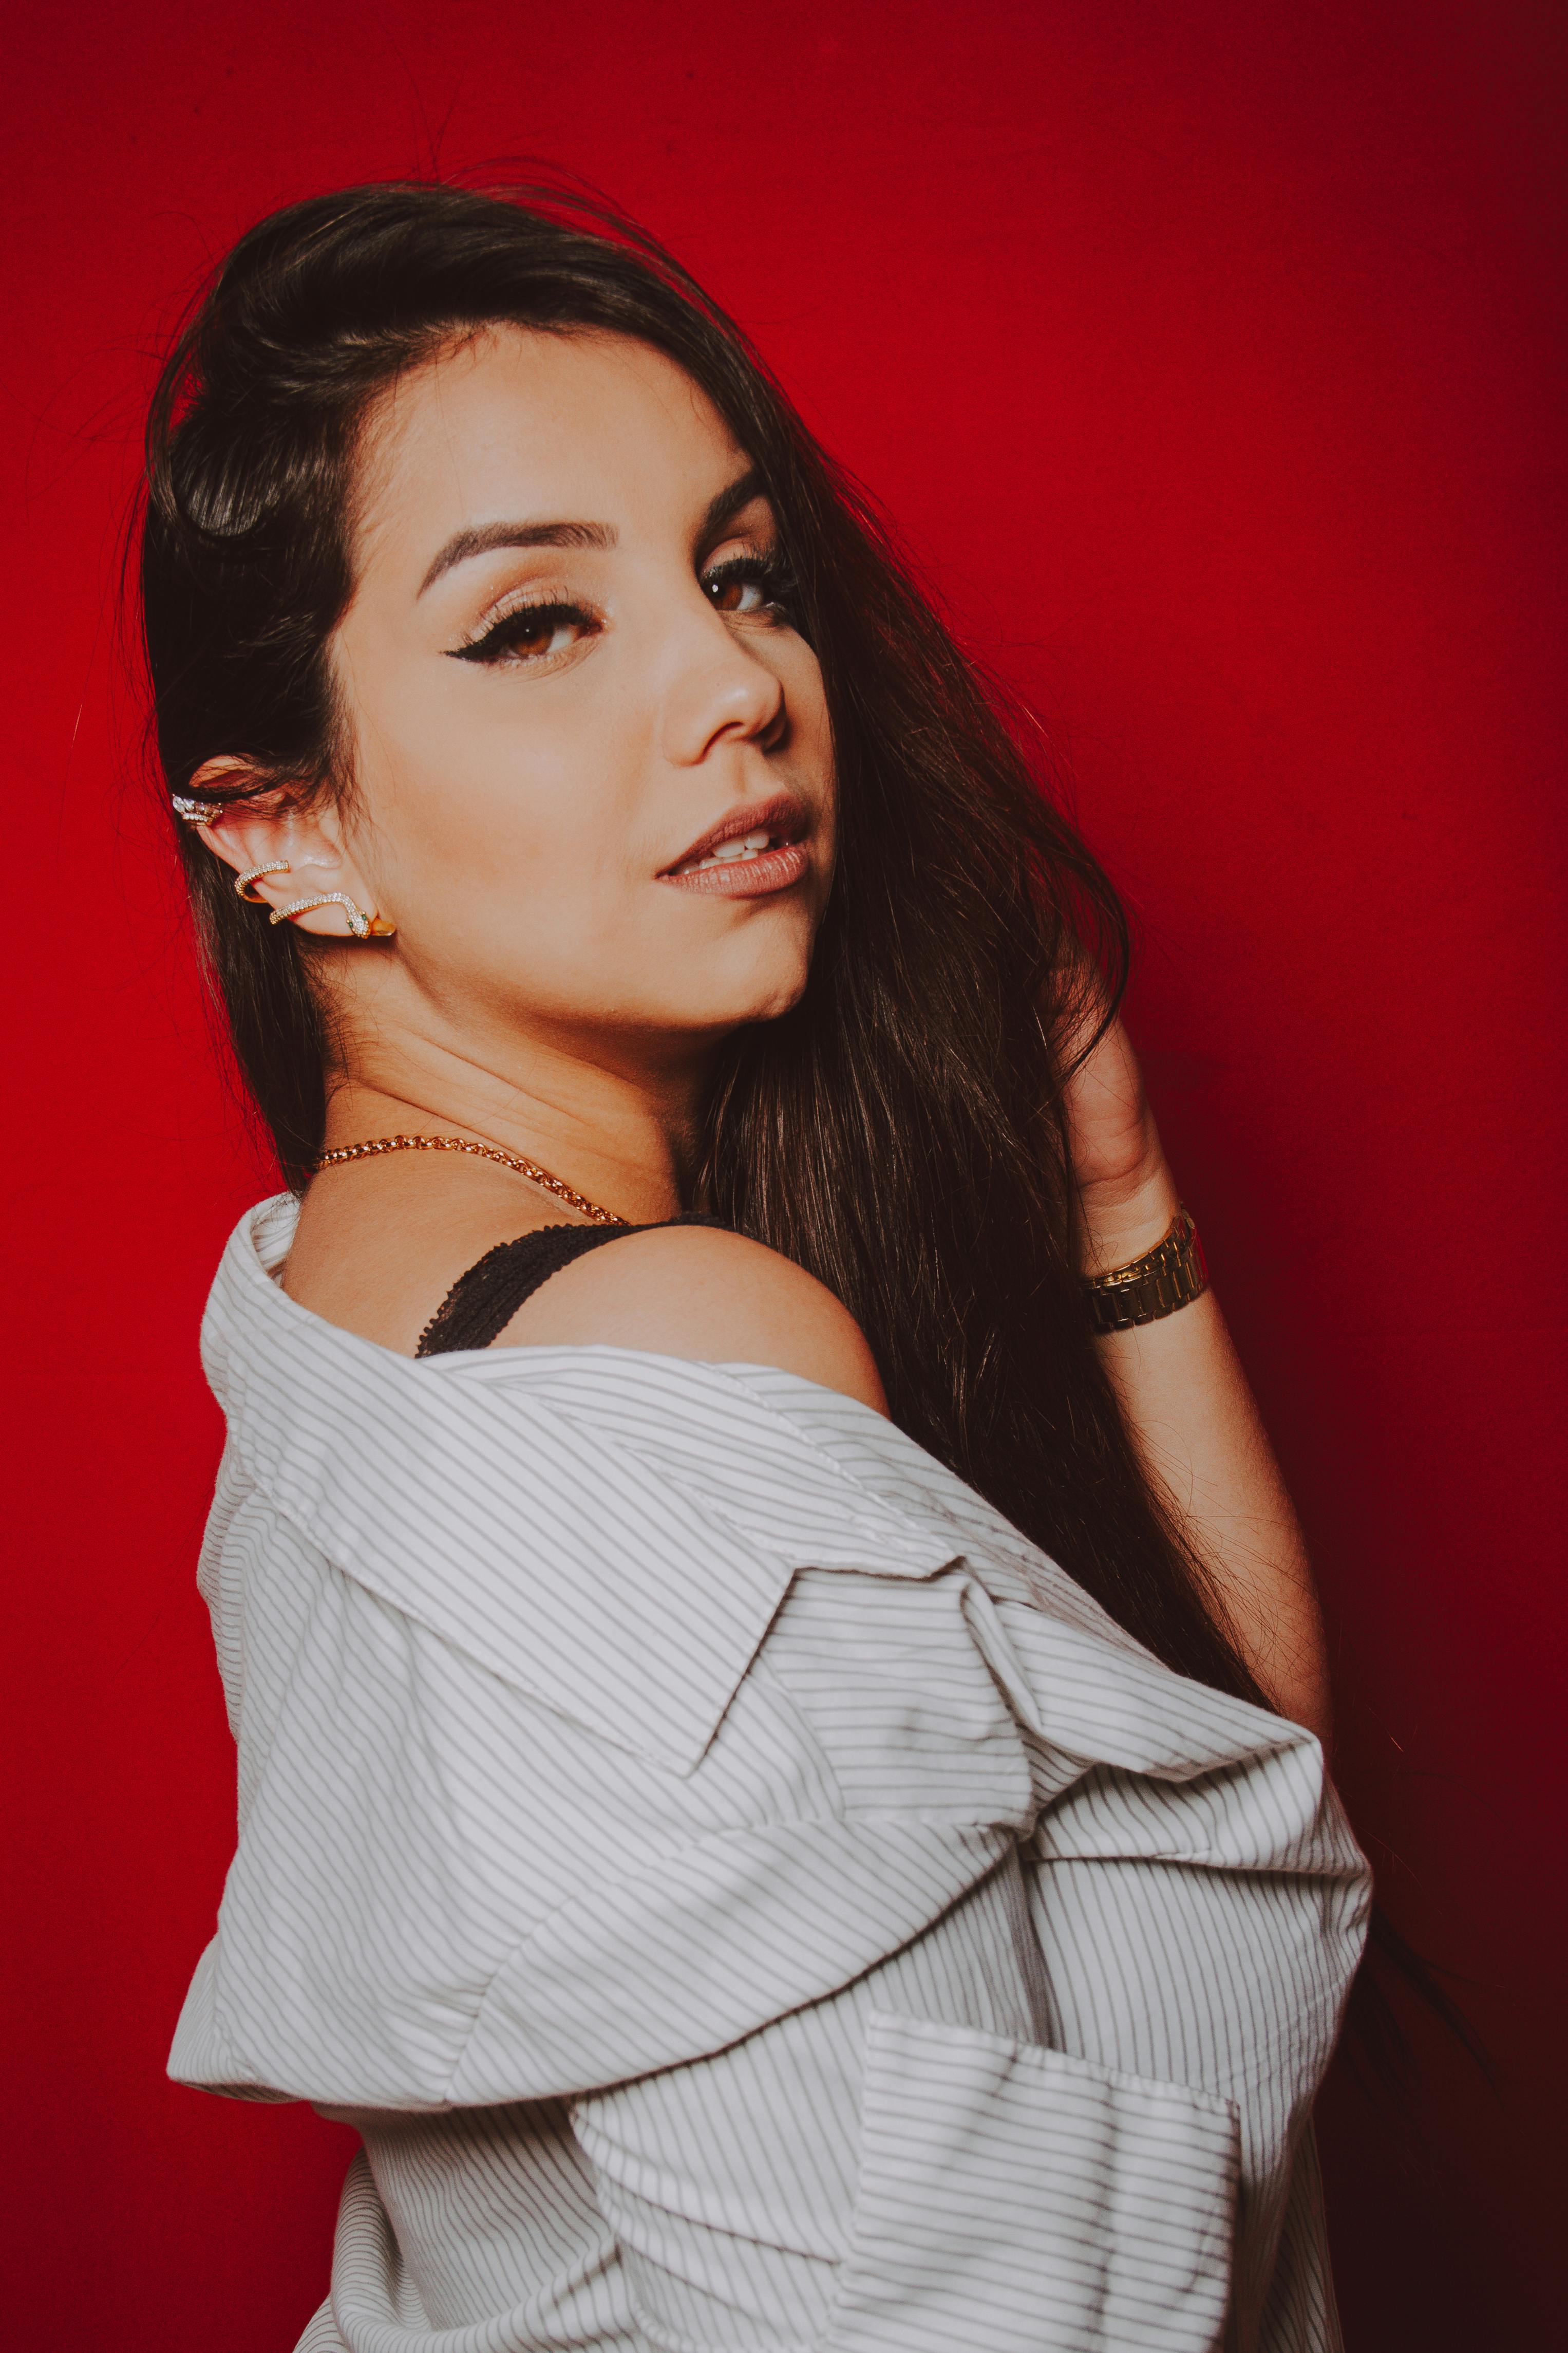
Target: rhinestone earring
<point>242,881</point>
<point>363,926</point>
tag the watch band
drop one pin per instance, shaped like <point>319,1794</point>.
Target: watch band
<point>1170,1275</point>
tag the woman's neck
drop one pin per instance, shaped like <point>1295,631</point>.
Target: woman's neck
<point>624,1136</point>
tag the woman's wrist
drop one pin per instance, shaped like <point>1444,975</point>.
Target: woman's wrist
<point>1119,1220</point>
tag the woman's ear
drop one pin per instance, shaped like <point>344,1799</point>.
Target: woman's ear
<point>284,849</point>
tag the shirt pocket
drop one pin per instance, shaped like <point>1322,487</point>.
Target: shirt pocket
<point>1019,2201</point>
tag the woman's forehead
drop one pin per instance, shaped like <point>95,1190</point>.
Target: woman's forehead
<point>529,423</point>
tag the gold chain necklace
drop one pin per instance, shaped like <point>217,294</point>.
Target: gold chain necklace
<point>513,1160</point>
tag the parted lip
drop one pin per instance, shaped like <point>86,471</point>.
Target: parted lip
<point>781,813</point>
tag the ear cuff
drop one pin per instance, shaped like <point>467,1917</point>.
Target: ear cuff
<point>242,881</point>
<point>363,926</point>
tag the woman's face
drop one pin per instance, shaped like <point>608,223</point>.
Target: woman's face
<point>572,698</point>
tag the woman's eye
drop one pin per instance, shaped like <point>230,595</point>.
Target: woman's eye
<point>747,588</point>
<point>529,634</point>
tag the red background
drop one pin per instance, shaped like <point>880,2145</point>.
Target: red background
<point>1207,356</point>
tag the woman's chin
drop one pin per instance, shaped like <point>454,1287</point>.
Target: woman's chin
<point>779,996</point>
<point>721,1016</point>
<point>736,994</point>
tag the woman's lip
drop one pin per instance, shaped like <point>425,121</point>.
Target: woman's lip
<point>747,878</point>
<point>780,814</point>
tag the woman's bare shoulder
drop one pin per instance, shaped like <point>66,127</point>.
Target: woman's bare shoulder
<point>701,1292</point>
<point>378,1245</point>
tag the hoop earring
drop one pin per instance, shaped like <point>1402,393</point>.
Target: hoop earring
<point>363,926</point>
<point>243,881</point>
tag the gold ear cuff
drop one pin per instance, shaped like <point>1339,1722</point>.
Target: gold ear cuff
<point>242,881</point>
<point>363,926</point>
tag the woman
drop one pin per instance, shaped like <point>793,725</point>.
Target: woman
<point>778,1692</point>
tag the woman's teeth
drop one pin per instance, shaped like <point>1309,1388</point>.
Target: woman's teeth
<point>750,845</point>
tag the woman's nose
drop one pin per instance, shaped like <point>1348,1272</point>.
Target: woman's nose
<point>720,691</point>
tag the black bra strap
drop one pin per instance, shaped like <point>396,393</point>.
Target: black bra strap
<point>483,1301</point>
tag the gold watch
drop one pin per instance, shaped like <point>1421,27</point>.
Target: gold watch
<point>1170,1275</point>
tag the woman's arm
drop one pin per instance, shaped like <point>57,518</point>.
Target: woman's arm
<point>1186,1399</point>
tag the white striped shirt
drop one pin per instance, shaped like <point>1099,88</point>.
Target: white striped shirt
<point>747,1897</point>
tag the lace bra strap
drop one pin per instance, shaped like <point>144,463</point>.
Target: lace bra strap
<point>483,1301</point>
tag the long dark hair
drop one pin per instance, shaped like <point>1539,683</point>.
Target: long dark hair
<point>900,1132</point>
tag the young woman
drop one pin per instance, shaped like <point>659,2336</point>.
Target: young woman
<point>778,1692</point>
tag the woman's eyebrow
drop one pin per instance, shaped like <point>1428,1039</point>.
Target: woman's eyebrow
<point>481,538</point>
<point>718,511</point>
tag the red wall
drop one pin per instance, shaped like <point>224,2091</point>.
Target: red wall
<point>1206,354</point>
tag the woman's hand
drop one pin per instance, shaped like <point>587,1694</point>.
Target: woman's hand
<point>1188,1409</point>
<point>1126,1195</point>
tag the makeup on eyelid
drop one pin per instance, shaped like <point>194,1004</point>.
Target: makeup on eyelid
<point>502,638</point>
